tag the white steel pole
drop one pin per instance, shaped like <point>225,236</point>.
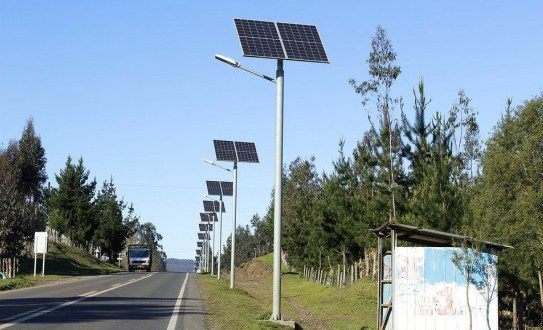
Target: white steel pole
<point>43,265</point>
<point>213,250</point>
<point>276,312</point>
<point>220,239</point>
<point>35,260</point>
<point>233,245</point>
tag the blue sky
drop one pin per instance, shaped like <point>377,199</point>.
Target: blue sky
<point>133,88</point>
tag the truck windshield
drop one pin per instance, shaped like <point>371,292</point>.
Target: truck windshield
<point>138,253</point>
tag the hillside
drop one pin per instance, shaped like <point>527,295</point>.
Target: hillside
<point>61,263</point>
<point>311,305</point>
<point>180,265</point>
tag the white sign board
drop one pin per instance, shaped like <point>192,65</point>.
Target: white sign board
<point>40,242</point>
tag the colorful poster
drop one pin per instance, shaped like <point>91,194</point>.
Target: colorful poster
<point>433,286</point>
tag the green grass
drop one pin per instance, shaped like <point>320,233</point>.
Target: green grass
<point>61,262</point>
<point>231,309</point>
<point>352,307</point>
<point>309,304</point>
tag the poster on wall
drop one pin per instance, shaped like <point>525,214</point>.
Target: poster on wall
<point>433,285</point>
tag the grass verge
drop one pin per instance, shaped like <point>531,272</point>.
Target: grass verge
<point>311,305</point>
<point>231,309</point>
<point>61,262</point>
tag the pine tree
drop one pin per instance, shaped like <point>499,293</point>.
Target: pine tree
<point>72,203</point>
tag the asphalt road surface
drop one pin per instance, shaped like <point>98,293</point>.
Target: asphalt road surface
<point>119,301</point>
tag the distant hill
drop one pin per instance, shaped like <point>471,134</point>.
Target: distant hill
<point>180,265</point>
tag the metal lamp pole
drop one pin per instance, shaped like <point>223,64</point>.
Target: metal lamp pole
<point>233,241</point>
<point>220,234</point>
<point>213,249</point>
<point>279,83</point>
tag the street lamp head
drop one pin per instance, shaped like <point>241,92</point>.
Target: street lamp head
<point>227,60</point>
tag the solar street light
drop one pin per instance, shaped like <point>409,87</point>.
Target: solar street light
<point>234,151</point>
<point>280,41</point>
<point>206,218</point>
<point>214,205</point>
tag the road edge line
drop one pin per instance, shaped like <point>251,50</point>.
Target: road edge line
<point>177,308</point>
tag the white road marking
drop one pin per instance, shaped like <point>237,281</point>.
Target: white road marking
<point>71,302</point>
<point>86,294</point>
<point>24,313</point>
<point>177,307</point>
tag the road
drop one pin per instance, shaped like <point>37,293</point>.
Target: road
<point>119,301</point>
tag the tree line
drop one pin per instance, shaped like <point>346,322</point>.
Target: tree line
<point>91,218</point>
<point>425,167</point>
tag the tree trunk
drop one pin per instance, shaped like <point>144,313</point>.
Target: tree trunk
<point>468,277</point>
<point>344,261</point>
<point>374,263</point>
<point>515,313</point>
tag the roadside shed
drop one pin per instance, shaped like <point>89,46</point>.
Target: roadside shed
<point>439,281</point>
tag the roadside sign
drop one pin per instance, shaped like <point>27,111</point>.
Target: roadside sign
<point>40,246</point>
<point>40,242</point>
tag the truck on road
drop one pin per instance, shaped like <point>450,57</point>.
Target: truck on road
<point>139,258</point>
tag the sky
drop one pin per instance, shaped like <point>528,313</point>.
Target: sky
<point>134,89</point>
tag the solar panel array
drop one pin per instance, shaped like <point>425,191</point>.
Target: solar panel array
<point>286,41</point>
<point>203,236</point>
<point>213,206</point>
<point>218,188</point>
<point>235,151</point>
<point>208,216</point>
<point>205,227</point>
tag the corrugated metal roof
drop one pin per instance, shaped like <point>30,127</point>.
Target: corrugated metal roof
<point>430,237</point>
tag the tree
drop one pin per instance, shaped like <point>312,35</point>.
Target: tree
<point>507,207</point>
<point>113,229</point>
<point>72,205</point>
<point>22,176</point>
<point>383,72</point>
<point>148,236</point>
<point>301,187</point>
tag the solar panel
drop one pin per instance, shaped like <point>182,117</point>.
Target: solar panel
<point>203,226</point>
<point>214,188</point>
<point>297,42</point>
<point>259,39</point>
<point>302,42</point>
<point>217,205</point>
<point>208,206</point>
<point>246,152</point>
<point>213,206</point>
<point>225,150</point>
<point>227,188</point>
<point>208,216</point>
